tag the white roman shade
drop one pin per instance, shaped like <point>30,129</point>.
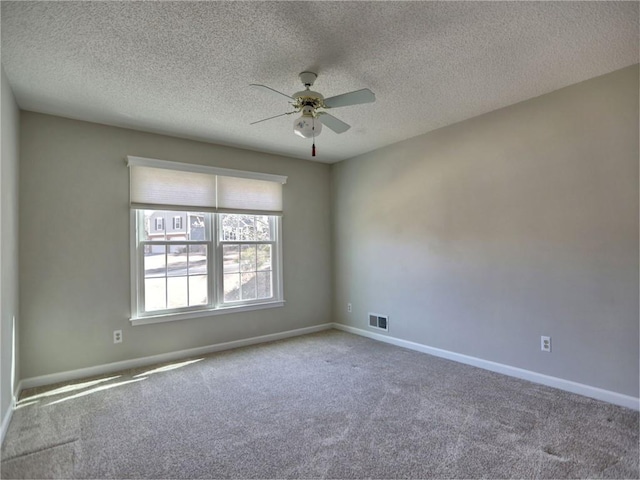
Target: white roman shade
<point>248,194</point>
<point>163,185</point>
<point>171,189</point>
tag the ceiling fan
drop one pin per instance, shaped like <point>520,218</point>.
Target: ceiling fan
<point>312,106</point>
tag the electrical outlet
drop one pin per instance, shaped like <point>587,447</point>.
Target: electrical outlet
<point>117,336</point>
<point>349,307</point>
<point>545,344</point>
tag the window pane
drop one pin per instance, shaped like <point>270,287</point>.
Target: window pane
<point>155,294</point>
<point>154,261</point>
<point>231,258</point>
<point>245,228</point>
<point>196,230</point>
<point>197,260</point>
<point>248,258</point>
<point>177,260</point>
<point>229,230</point>
<point>263,285</point>
<point>231,287</point>
<point>264,257</point>
<point>248,290</point>
<point>154,223</point>
<point>263,228</point>
<point>198,291</point>
<point>177,292</point>
<point>173,226</point>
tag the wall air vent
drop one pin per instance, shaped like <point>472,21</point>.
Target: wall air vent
<point>381,322</point>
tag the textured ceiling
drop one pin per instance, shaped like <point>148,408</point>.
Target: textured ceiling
<point>183,68</point>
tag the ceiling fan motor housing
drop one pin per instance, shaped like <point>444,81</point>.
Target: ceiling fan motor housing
<point>310,94</point>
<point>308,98</point>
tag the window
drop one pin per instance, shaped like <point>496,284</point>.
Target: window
<point>227,253</point>
<point>175,273</point>
<point>247,243</point>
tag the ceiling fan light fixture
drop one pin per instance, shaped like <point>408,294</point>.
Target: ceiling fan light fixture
<point>307,126</point>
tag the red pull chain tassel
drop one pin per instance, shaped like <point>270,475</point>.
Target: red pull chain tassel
<point>313,150</point>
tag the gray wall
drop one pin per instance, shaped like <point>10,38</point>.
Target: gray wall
<point>74,252</point>
<point>9,124</point>
<point>480,237</point>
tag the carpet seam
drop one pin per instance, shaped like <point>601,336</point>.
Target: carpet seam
<point>42,449</point>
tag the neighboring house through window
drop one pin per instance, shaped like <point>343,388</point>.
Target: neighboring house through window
<point>223,252</point>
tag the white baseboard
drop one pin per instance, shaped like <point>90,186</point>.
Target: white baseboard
<point>161,358</point>
<point>6,420</point>
<point>568,385</point>
<point>573,387</point>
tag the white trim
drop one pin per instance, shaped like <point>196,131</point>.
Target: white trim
<point>15,390</point>
<point>567,385</point>
<point>555,382</point>
<point>279,284</point>
<point>189,167</point>
<point>7,419</point>
<point>133,259</point>
<point>164,357</point>
<point>171,317</point>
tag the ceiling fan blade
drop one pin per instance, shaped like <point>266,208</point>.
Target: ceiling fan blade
<point>264,87</point>
<point>269,118</point>
<point>333,123</point>
<point>352,98</point>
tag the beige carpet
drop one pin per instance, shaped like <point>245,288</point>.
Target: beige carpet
<point>327,405</point>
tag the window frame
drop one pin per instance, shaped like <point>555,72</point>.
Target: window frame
<point>216,304</point>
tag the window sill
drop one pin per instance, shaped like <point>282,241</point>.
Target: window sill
<point>171,317</point>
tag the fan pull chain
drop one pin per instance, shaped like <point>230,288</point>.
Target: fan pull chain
<point>313,130</point>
